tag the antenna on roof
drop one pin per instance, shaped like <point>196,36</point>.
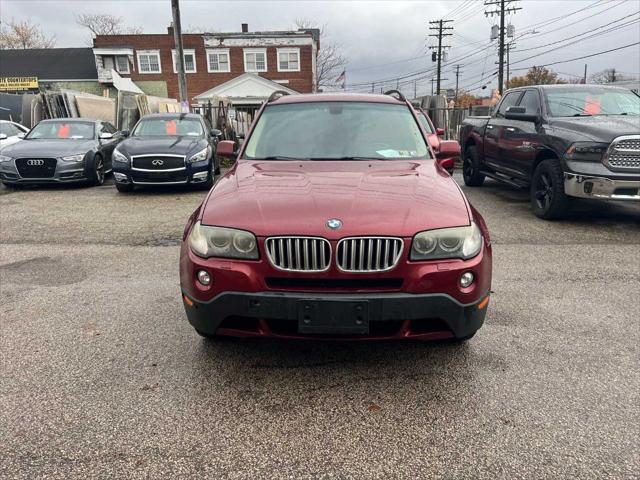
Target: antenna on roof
<point>276,95</point>
<point>397,93</point>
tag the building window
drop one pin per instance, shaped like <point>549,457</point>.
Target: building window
<point>255,60</point>
<point>218,61</point>
<point>122,64</point>
<point>189,61</point>
<point>149,61</point>
<point>288,59</point>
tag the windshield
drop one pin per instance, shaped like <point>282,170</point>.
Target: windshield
<point>568,102</point>
<point>162,127</point>
<point>336,130</point>
<point>66,130</point>
<point>425,123</point>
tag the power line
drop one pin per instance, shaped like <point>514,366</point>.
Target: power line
<point>503,8</point>
<point>583,57</point>
<point>441,29</point>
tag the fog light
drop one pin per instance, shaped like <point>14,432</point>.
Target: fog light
<point>466,279</point>
<point>203,277</point>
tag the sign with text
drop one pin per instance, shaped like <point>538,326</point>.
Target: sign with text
<point>18,83</point>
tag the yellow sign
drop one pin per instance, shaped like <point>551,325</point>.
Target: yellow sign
<point>18,83</point>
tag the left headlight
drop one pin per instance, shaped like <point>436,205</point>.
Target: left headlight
<point>74,158</point>
<point>118,156</point>
<point>586,151</point>
<point>5,158</point>
<point>200,156</point>
<point>208,242</point>
<point>457,242</point>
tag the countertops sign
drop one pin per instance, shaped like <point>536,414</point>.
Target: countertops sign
<point>18,83</point>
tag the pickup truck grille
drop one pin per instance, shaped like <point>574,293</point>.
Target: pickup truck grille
<point>299,254</point>
<point>369,254</point>
<point>624,154</point>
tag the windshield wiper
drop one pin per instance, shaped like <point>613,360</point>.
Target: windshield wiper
<point>281,157</point>
<point>346,158</point>
<point>582,115</point>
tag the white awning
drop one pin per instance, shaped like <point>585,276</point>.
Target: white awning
<point>246,89</point>
<point>113,51</point>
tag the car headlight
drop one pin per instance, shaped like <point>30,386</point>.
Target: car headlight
<point>586,151</point>
<point>457,242</point>
<point>5,158</point>
<point>74,158</point>
<point>208,242</point>
<point>199,156</point>
<point>118,156</point>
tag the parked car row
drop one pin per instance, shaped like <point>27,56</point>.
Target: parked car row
<point>161,149</point>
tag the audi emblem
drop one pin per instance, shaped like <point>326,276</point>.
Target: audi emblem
<point>157,162</point>
<point>35,163</point>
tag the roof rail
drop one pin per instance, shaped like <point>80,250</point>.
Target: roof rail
<point>276,95</point>
<point>400,96</point>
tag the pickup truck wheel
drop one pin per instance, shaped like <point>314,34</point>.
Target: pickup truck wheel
<point>471,168</point>
<point>548,199</point>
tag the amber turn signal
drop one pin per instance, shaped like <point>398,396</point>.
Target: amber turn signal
<point>187,300</point>
<point>483,303</point>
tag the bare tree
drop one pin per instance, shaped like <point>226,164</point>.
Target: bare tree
<point>606,76</point>
<point>16,35</point>
<point>330,61</point>
<point>536,76</point>
<point>105,24</point>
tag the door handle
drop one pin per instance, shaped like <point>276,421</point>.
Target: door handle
<point>489,127</point>
<point>511,129</point>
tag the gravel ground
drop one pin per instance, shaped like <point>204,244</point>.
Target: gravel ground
<point>102,376</point>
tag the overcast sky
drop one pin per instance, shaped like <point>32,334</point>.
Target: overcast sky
<point>384,40</point>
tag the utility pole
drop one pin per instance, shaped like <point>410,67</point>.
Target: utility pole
<point>177,38</point>
<point>458,72</point>
<point>415,89</point>
<point>502,10</point>
<point>584,79</point>
<point>432,80</point>
<point>508,48</point>
<point>440,26</point>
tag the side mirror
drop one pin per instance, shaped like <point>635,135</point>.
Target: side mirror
<point>216,133</point>
<point>21,135</point>
<point>123,133</point>
<point>447,154</point>
<point>439,131</point>
<point>520,113</point>
<point>226,149</point>
<point>3,136</point>
<point>106,136</point>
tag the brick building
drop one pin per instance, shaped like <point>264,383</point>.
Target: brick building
<point>285,58</point>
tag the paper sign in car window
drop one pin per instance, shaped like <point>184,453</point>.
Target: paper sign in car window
<point>592,105</point>
<point>171,127</point>
<point>64,130</point>
<point>395,153</point>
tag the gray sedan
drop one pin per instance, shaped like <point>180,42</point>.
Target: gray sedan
<point>63,150</point>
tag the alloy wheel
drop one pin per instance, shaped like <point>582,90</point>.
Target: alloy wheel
<point>100,170</point>
<point>544,191</point>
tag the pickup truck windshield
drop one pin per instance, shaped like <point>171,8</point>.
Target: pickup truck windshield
<point>62,130</point>
<point>568,102</point>
<point>163,127</point>
<point>336,131</point>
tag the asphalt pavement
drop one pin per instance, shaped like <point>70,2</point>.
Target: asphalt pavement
<point>102,376</point>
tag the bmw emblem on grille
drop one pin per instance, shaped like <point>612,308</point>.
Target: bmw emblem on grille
<point>157,162</point>
<point>334,223</point>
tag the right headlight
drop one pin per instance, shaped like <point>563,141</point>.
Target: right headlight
<point>5,158</point>
<point>457,242</point>
<point>118,156</point>
<point>222,242</point>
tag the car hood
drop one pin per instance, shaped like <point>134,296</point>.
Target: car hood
<point>47,148</point>
<point>600,128</point>
<point>397,198</point>
<point>167,145</point>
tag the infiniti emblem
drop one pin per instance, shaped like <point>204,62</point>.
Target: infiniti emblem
<point>157,162</point>
<point>334,223</point>
<point>34,163</point>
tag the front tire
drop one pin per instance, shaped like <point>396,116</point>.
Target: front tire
<point>548,200</point>
<point>99,170</point>
<point>471,168</point>
<point>124,187</point>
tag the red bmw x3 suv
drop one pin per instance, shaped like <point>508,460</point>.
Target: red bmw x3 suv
<point>337,221</point>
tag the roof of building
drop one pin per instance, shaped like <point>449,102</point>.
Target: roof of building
<point>49,63</point>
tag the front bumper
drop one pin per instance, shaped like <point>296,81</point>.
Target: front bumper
<point>389,315</point>
<point>589,186</point>
<point>65,172</point>
<point>191,173</point>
